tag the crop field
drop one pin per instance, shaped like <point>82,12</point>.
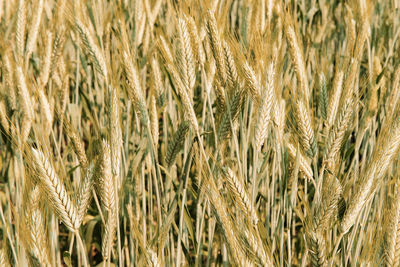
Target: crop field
<point>199,133</point>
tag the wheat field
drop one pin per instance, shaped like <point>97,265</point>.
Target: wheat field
<point>199,133</point>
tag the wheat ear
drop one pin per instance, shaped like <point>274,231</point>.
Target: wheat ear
<point>33,32</point>
<point>216,46</point>
<point>304,165</point>
<point>317,249</point>
<point>153,258</point>
<point>157,81</point>
<point>182,90</point>
<point>350,31</point>
<point>106,189</point>
<point>3,116</point>
<point>94,51</point>
<point>115,134</point>
<point>104,178</point>
<point>296,54</point>
<point>220,208</point>
<point>135,91</point>
<point>154,120</point>
<point>337,134</point>
<point>54,187</point>
<point>238,190</point>
<point>9,81</point>
<point>45,109</point>
<point>252,83</point>
<point>45,70</point>
<point>195,40</point>
<point>177,143</point>
<point>230,115</point>
<point>318,222</point>
<point>334,98</point>
<point>394,96</point>
<point>56,52</point>
<point>306,132</point>
<point>231,70</point>
<point>85,192</point>
<point>220,98</point>
<point>386,148</point>
<point>20,34</point>
<point>3,258</point>
<point>36,223</point>
<point>77,144</point>
<point>264,111</point>
<point>26,104</point>
<point>392,215</point>
<point>323,96</point>
<point>396,212</point>
<point>186,59</point>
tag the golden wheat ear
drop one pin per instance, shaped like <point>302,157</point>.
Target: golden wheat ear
<point>105,185</point>
<point>36,225</point>
<point>54,187</point>
<point>77,143</point>
<point>387,147</point>
<point>84,195</point>
<point>176,143</point>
